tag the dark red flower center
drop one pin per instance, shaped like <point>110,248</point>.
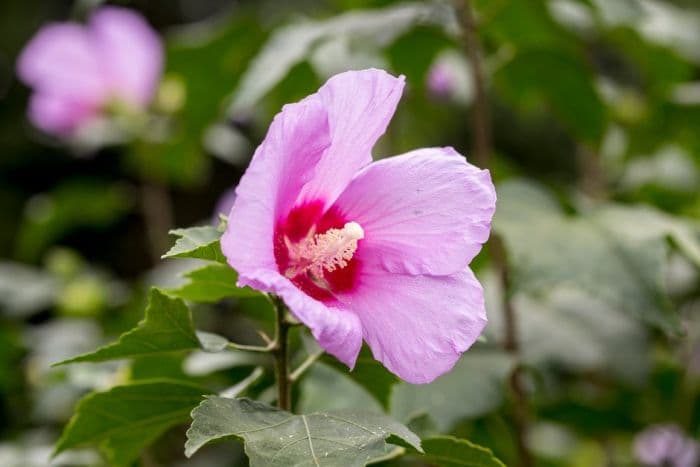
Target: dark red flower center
<point>317,250</point>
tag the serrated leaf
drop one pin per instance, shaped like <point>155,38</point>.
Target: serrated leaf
<point>125,419</point>
<point>211,283</point>
<point>167,327</point>
<point>198,243</point>
<point>547,248</point>
<point>474,387</point>
<point>448,451</point>
<point>275,438</point>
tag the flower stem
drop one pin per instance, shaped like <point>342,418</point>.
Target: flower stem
<point>158,217</point>
<point>511,345</point>
<point>481,117</point>
<point>483,147</point>
<point>280,352</point>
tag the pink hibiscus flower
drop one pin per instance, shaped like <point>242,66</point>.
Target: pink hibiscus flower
<point>76,71</point>
<point>360,249</point>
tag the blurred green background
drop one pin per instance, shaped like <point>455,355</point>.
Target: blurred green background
<point>595,114</point>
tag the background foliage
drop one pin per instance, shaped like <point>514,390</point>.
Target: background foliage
<point>595,109</point>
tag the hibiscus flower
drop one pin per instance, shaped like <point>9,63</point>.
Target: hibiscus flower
<point>357,249</point>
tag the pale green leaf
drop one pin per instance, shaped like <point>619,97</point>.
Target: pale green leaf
<point>473,388</point>
<point>275,438</point>
<point>547,248</point>
<point>198,243</point>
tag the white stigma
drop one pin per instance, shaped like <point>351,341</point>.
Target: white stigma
<point>328,251</point>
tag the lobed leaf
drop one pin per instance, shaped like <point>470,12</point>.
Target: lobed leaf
<point>125,419</point>
<point>275,438</point>
<point>167,327</point>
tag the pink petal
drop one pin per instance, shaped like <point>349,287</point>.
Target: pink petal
<point>295,142</point>
<point>360,105</point>
<point>62,61</point>
<point>337,331</point>
<point>130,51</point>
<point>418,326</point>
<point>424,212</point>
<point>57,115</point>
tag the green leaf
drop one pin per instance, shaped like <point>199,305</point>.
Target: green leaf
<point>167,327</point>
<point>211,283</point>
<point>447,451</point>
<point>370,374</point>
<point>547,249</point>
<point>474,387</point>
<point>274,437</point>
<point>197,242</point>
<point>125,419</point>
<point>294,43</point>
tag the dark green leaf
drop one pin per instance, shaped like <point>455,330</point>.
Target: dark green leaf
<point>125,419</point>
<point>474,387</point>
<point>198,243</point>
<point>274,437</point>
<point>447,451</point>
<point>72,205</point>
<point>211,283</point>
<point>167,327</point>
<point>569,94</point>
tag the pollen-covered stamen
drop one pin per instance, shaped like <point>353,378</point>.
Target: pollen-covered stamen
<point>327,251</point>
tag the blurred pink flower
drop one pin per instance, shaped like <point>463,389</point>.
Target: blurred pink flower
<point>441,81</point>
<point>666,445</point>
<point>77,70</point>
<point>360,249</point>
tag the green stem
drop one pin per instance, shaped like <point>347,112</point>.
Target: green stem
<point>305,365</point>
<point>280,352</point>
<point>251,348</point>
